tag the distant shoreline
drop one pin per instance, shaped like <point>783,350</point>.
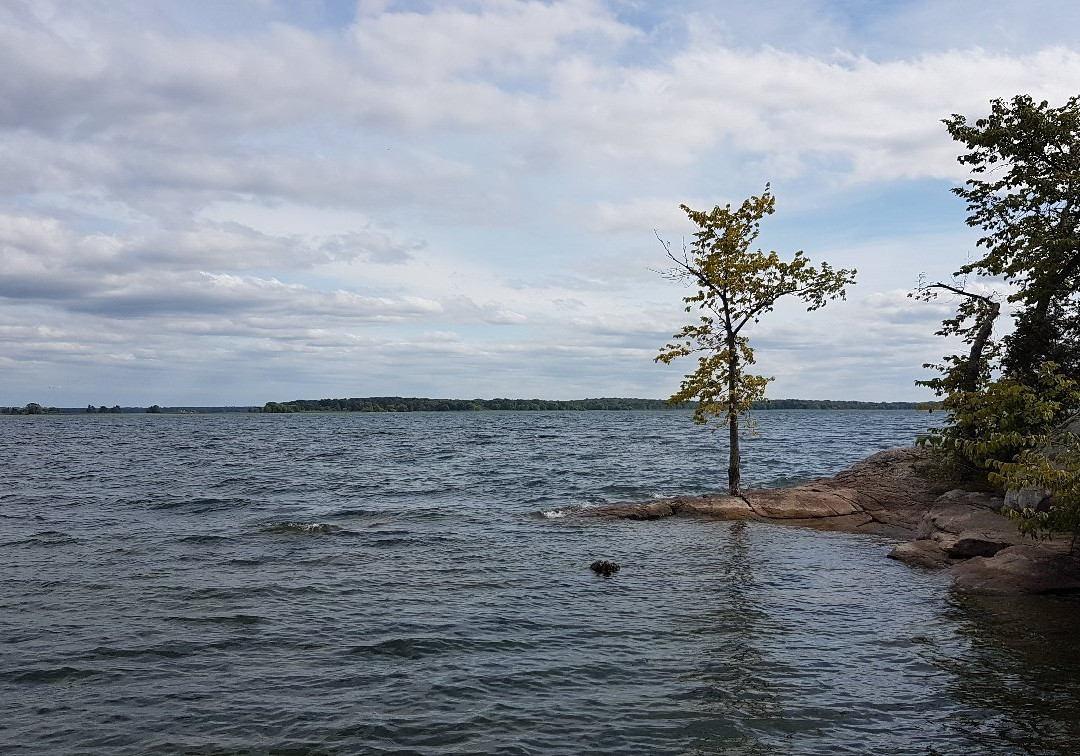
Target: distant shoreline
<point>421,404</point>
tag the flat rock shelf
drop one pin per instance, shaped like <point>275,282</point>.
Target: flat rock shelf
<point>890,493</point>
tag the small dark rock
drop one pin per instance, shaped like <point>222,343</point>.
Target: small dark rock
<point>604,567</point>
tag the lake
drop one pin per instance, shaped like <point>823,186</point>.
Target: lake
<point>417,583</point>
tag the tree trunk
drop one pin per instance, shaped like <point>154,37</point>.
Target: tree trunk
<point>987,315</point>
<point>734,457</point>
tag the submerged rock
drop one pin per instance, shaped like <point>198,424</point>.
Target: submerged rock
<point>650,510</point>
<point>923,553</point>
<point>604,567</point>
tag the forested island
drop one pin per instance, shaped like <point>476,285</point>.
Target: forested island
<point>419,404</point>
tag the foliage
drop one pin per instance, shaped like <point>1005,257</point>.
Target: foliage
<point>1025,196</point>
<point>973,323</point>
<point>1004,418</point>
<point>33,408</point>
<point>736,286</point>
<point>1052,335</point>
<point>718,391</point>
<point>1056,470</point>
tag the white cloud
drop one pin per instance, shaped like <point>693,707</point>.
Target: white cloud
<point>505,39</point>
<point>467,195</point>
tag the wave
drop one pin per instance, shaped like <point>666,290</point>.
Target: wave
<point>194,505</point>
<point>173,649</point>
<point>386,542</point>
<point>789,481</point>
<point>53,674</point>
<point>201,538</point>
<point>560,512</point>
<point>333,454</point>
<point>416,648</point>
<point>557,513</point>
<point>231,619</point>
<point>44,538</point>
<point>306,528</point>
<point>358,513</point>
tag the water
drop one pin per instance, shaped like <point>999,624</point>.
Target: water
<point>412,583</point>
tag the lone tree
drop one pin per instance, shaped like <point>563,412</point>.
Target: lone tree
<point>735,287</point>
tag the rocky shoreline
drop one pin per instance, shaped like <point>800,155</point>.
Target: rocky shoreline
<point>895,493</point>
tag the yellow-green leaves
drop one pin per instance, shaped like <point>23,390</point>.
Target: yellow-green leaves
<point>1004,417</point>
<point>735,286</point>
<point>1054,469</point>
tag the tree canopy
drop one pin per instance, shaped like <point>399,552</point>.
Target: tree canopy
<point>1024,194</point>
<point>1005,400</point>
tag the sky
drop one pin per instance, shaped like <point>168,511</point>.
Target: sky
<point>229,203</point>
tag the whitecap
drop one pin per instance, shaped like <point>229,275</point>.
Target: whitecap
<point>317,528</point>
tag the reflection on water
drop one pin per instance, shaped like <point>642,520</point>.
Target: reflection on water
<point>1021,676</point>
<point>733,682</point>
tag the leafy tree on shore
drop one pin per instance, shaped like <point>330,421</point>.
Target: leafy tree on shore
<point>1005,400</point>
<point>736,286</point>
<point>1025,196</point>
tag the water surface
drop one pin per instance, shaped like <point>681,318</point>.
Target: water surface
<point>367,583</point>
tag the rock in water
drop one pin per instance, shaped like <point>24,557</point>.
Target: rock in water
<point>604,567</point>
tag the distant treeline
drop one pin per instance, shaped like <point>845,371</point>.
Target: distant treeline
<point>36,409</point>
<point>418,404</point>
<point>33,408</point>
<point>835,404</point>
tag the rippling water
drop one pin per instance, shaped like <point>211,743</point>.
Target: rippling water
<point>373,583</point>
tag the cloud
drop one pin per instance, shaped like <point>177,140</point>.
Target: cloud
<point>200,187</point>
<point>643,212</point>
<point>505,39</point>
